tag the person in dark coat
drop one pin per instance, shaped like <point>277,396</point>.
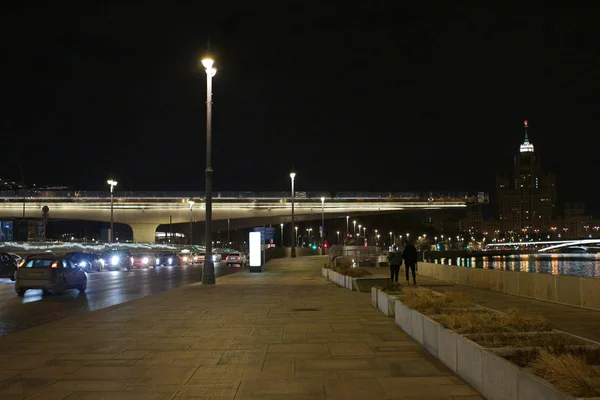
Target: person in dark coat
<point>410,261</point>
<point>395,259</point>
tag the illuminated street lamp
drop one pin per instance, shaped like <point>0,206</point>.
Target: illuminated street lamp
<point>338,233</point>
<point>191,203</point>
<point>112,184</point>
<point>295,232</point>
<point>208,270</point>
<point>354,222</point>
<point>391,239</point>
<point>347,220</point>
<point>322,221</point>
<point>282,245</point>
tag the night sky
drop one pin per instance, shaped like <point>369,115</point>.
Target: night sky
<point>378,97</point>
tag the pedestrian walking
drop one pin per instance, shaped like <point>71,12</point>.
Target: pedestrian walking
<point>409,254</point>
<point>395,259</point>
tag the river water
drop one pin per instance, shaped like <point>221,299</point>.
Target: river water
<point>587,265</point>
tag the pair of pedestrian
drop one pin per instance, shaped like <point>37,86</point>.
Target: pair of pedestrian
<point>409,256</point>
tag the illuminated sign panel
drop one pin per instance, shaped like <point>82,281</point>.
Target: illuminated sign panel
<point>255,248</point>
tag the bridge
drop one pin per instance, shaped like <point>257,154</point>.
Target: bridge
<point>553,244</point>
<point>145,211</point>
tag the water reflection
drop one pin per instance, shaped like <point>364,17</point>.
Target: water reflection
<point>556,264</point>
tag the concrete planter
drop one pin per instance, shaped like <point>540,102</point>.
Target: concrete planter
<point>403,317</point>
<point>348,282</point>
<point>385,302</point>
<point>325,272</point>
<point>374,296</point>
<point>431,334</point>
<point>447,348</point>
<point>416,325</point>
<point>469,362</point>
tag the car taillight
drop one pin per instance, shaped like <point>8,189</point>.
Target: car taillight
<point>54,265</point>
<point>21,263</point>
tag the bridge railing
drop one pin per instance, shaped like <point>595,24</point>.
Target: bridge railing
<point>471,197</point>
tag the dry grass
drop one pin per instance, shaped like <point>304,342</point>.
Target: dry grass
<point>357,272</point>
<point>464,322</point>
<point>392,287</point>
<point>543,340</point>
<point>570,373</point>
<point>428,303</point>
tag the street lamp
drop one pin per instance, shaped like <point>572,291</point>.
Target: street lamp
<point>347,220</point>
<point>338,233</point>
<point>391,239</point>
<point>191,203</point>
<point>282,245</point>
<point>112,184</point>
<point>296,236</point>
<point>365,234</point>
<point>208,271</point>
<point>322,221</point>
<point>295,232</point>
<point>354,222</point>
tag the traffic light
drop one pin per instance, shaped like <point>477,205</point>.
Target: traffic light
<point>314,246</point>
<point>325,245</point>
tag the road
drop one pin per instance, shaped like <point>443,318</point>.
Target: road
<point>104,289</point>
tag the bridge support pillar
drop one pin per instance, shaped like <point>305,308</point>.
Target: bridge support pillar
<point>144,233</point>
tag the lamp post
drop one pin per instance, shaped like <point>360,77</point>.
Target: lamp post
<point>365,234</point>
<point>191,203</point>
<point>208,270</point>
<point>282,245</point>
<point>112,184</point>
<point>354,222</point>
<point>338,233</point>
<point>295,231</point>
<point>391,240</point>
<point>347,220</point>
<point>322,221</point>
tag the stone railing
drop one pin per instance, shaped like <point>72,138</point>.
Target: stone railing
<point>569,290</point>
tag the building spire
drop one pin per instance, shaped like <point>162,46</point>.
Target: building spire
<point>526,147</point>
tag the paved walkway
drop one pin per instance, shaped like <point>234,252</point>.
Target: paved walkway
<point>575,320</point>
<point>284,334</point>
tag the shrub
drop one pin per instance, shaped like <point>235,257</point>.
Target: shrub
<point>543,340</point>
<point>464,322</point>
<point>357,272</point>
<point>429,303</point>
<point>569,372</point>
<point>392,287</point>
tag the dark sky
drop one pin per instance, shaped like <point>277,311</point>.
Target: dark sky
<point>375,97</point>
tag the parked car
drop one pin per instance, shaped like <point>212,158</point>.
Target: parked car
<point>186,257</point>
<point>144,260</point>
<point>168,258</point>
<point>236,258</point>
<point>86,261</point>
<point>117,259</point>
<point>8,266</point>
<point>49,272</point>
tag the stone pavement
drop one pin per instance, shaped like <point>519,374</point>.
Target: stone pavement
<point>576,320</point>
<point>286,334</point>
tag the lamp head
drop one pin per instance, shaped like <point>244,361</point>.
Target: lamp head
<point>207,62</point>
<point>322,199</point>
<point>292,175</point>
<point>112,182</point>
<point>191,202</point>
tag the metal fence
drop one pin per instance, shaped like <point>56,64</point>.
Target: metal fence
<point>358,256</point>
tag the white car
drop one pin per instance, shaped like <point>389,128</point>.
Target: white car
<point>236,258</point>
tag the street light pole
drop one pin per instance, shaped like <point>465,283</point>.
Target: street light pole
<point>208,270</point>
<point>282,242</point>
<point>112,184</point>
<point>354,222</point>
<point>191,203</point>
<point>295,230</point>
<point>347,220</point>
<point>338,233</point>
<point>322,221</point>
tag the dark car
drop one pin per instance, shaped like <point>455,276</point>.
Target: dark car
<point>168,258</point>
<point>8,266</point>
<point>86,261</point>
<point>117,259</point>
<point>49,272</point>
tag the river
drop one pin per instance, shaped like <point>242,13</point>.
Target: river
<point>587,265</point>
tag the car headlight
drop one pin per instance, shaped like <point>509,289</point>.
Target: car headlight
<point>102,262</point>
<point>185,258</point>
<point>114,260</point>
<point>170,261</point>
<point>145,260</point>
<point>158,261</point>
<point>131,259</point>
<point>82,264</point>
